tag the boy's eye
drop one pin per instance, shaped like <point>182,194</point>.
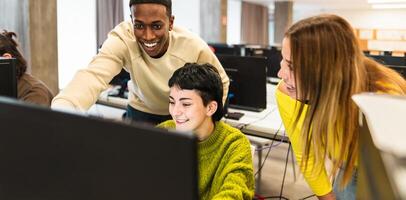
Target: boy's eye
<point>138,26</point>
<point>156,26</point>
<point>186,104</point>
<point>171,102</point>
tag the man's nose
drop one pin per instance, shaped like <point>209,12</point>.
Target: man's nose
<point>149,34</point>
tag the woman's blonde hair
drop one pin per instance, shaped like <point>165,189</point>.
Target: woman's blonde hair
<point>329,67</point>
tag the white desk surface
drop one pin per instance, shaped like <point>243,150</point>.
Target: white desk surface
<point>263,124</point>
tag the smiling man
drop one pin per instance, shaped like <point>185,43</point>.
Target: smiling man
<point>150,48</point>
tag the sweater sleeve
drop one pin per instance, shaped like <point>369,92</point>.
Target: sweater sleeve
<point>239,179</point>
<point>87,84</point>
<point>315,173</point>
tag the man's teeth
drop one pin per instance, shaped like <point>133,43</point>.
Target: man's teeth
<point>150,44</point>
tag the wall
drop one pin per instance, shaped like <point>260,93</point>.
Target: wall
<point>384,19</point>
<point>234,22</point>
<point>76,37</point>
<point>186,13</point>
<point>376,19</point>
<point>43,42</point>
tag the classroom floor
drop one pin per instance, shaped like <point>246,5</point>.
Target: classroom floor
<point>272,176</point>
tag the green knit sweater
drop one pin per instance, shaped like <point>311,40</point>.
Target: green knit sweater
<point>225,164</point>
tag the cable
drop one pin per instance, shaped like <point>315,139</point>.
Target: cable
<point>274,138</point>
<point>269,150</point>
<point>263,163</point>
<point>313,195</point>
<point>286,164</point>
<point>258,197</point>
<point>284,172</point>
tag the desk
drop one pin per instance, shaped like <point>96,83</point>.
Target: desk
<point>265,124</point>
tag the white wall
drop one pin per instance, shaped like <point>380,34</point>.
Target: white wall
<point>366,19</point>
<point>126,9</point>
<point>234,22</point>
<point>76,37</point>
<point>186,12</point>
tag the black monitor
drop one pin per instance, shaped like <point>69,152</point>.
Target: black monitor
<point>396,63</point>
<point>274,58</point>
<point>225,49</point>
<point>389,60</point>
<point>8,78</point>
<point>400,69</point>
<point>52,155</point>
<point>247,75</point>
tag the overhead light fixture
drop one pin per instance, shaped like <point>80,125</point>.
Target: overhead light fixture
<point>389,6</point>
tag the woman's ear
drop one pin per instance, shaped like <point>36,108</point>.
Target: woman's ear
<point>211,108</point>
<point>6,55</point>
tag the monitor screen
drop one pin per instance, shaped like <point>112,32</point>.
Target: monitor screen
<point>247,75</point>
<point>8,78</point>
<point>52,155</point>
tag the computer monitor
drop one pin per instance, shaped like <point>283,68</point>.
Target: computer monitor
<point>247,75</point>
<point>8,77</point>
<point>274,58</point>
<point>225,49</point>
<point>52,155</point>
<point>400,69</point>
<point>396,63</point>
<point>389,60</point>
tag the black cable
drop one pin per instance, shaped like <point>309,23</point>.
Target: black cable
<point>284,172</point>
<point>313,195</point>
<point>274,197</point>
<point>286,164</point>
<point>263,163</point>
<point>283,180</point>
<point>269,150</point>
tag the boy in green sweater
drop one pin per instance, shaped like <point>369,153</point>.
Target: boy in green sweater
<point>225,162</point>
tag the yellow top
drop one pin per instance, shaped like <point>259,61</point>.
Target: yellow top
<point>318,182</point>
